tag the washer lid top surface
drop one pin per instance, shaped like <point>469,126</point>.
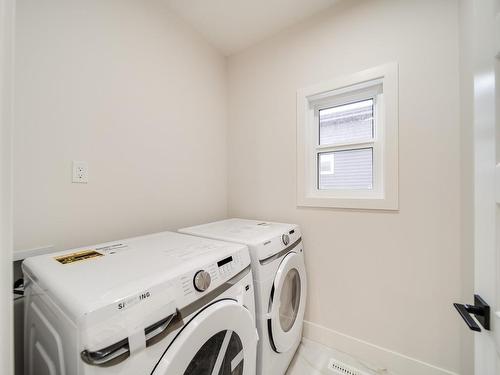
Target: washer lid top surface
<point>249,232</point>
<point>86,279</point>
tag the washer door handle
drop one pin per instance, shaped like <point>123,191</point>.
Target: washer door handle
<point>120,351</point>
<point>153,331</point>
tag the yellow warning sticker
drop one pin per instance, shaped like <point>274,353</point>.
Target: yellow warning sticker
<point>76,257</point>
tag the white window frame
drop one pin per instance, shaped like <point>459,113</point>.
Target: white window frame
<point>381,85</point>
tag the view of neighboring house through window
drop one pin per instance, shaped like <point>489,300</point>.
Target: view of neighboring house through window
<point>347,141</point>
<point>344,126</point>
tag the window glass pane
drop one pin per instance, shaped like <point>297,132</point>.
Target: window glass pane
<point>349,169</point>
<point>346,123</point>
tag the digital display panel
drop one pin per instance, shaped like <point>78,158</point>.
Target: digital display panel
<point>224,261</point>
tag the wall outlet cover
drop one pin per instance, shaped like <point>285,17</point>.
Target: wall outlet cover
<point>80,172</point>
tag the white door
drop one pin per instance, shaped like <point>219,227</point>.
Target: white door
<point>484,70</point>
<point>220,340</point>
<point>288,302</point>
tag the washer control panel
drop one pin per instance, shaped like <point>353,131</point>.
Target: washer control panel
<point>229,266</point>
<point>214,274</point>
<point>225,264</point>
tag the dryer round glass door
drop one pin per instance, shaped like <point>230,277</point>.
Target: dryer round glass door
<point>288,304</point>
<point>220,340</point>
<point>289,300</point>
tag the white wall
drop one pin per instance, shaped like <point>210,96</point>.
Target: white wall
<point>386,278</point>
<point>6,116</point>
<point>130,89</point>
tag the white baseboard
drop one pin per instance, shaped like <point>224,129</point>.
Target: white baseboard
<point>375,355</point>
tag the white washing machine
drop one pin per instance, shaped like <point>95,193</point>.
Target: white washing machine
<point>280,284</point>
<point>162,304</point>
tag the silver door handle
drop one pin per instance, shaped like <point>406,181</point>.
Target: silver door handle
<point>119,351</point>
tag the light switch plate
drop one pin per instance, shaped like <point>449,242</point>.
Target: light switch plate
<point>80,172</point>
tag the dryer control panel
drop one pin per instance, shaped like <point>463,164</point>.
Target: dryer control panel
<point>275,245</point>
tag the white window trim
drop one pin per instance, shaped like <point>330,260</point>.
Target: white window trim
<point>365,84</point>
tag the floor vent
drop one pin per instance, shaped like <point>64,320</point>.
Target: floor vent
<point>341,368</point>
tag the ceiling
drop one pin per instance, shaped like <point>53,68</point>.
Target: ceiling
<point>232,25</point>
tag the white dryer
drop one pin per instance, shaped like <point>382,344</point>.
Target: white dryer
<point>280,284</point>
<point>162,304</point>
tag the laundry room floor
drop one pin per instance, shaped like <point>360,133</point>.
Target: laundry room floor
<point>314,359</point>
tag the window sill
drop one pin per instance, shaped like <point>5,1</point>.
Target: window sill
<point>346,203</point>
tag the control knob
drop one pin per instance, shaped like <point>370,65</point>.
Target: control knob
<point>285,239</point>
<point>201,280</point>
